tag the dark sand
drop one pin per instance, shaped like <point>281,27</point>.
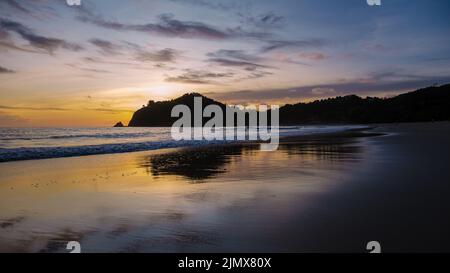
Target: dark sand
<point>323,193</point>
<point>402,200</point>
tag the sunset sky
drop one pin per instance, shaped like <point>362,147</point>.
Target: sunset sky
<point>93,65</point>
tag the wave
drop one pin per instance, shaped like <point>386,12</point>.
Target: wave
<point>130,135</point>
<point>17,154</point>
<point>118,135</point>
<point>74,136</point>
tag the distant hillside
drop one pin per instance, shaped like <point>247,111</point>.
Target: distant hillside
<point>428,104</point>
<point>158,114</point>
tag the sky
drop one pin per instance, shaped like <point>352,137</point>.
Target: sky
<point>95,64</point>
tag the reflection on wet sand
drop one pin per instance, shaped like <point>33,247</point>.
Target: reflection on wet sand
<point>195,164</point>
<point>146,202</point>
<point>200,164</point>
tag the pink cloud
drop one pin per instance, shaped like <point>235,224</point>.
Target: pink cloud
<point>314,56</point>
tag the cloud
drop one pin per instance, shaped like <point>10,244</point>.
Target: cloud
<point>161,56</point>
<point>6,70</point>
<point>241,9</point>
<point>250,62</point>
<point>269,19</point>
<point>279,44</point>
<point>236,58</point>
<point>438,59</point>
<point>109,110</point>
<point>16,6</point>
<point>391,76</point>
<point>255,70</point>
<point>377,47</point>
<point>236,63</point>
<point>6,43</point>
<point>356,86</point>
<point>286,58</point>
<point>138,52</point>
<point>4,34</point>
<point>263,21</point>
<point>38,9</point>
<point>47,44</point>
<point>198,77</point>
<point>11,46</point>
<point>33,108</point>
<point>240,59</point>
<point>257,74</point>
<point>8,120</point>
<point>222,6</point>
<point>323,91</point>
<point>313,56</point>
<point>88,69</point>
<point>106,47</point>
<point>102,61</point>
<point>112,110</point>
<point>234,54</point>
<point>164,66</point>
<point>166,26</point>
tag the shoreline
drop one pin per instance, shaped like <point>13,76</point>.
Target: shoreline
<point>120,149</point>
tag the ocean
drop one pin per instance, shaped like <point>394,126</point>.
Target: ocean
<point>40,143</point>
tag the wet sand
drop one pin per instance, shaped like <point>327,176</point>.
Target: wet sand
<point>330,193</point>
